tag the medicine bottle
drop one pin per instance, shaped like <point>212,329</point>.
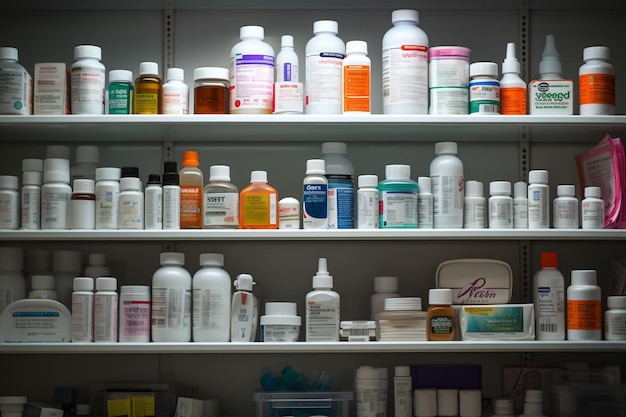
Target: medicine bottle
<point>324,54</point>
<point>448,80</point>
<point>121,92</point>
<point>130,212</point>
<point>425,202</point>
<point>258,204</point>
<point>592,209</point>
<point>367,202</point>
<point>287,69</point>
<point>12,281</point>
<point>322,307</point>
<point>82,310</point>
<point>288,213</point>
<point>512,87</point>
<point>251,73</point>
<point>30,200</point>
<point>105,309</point>
<point>615,318</point>
<point>500,205</point>
<point>474,206</point>
<point>171,300</point>
<point>175,92</point>
<point>402,392</point>
<point>520,205</point>
<point>148,90</point>
<point>107,192</point>
<point>171,196</point>
<point>211,287</point>
<point>55,194</point>
<point>87,158</point>
<point>211,90</point>
<point>9,202</point>
<point>87,80</point>
<point>153,203</point>
<point>42,287</point>
<point>484,88</point>
<point>221,200</point>
<point>503,407</point>
<point>97,266</point>
<point>402,319</point>
<point>405,75</point>
<point>191,182</point>
<point>596,82</point>
<point>356,79</point>
<point>446,176</point>
<point>533,404</point>
<point>470,403</point>
<point>66,265</point>
<point>425,402</point>
<point>549,299</point>
<point>16,84</point>
<point>584,310</point>
<point>315,196</point>
<point>384,287</point>
<point>538,199</point>
<point>83,205</point>
<point>441,323</point>
<point>244,313</point>
<point>134,314</point>
<point>368,388</point>
<point>565,208</point>
<point>340,175</point>
<point>397,198</point>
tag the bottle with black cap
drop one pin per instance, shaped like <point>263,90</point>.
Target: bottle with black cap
<point>171,196</point>
<point>153,216</point>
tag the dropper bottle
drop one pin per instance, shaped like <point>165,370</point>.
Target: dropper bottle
<point>322,307</point>
<point>512,87</point>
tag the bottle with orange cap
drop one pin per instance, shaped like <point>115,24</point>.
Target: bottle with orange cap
<point>191,184</point>
<point>549,299</point>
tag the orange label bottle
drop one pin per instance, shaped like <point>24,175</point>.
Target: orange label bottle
<point>258,204</point>
<point>191,186</point>
<point>356,78</point>
<point>441,322</point>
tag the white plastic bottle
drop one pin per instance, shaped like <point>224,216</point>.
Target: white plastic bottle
<point>171,201</point>
<point>565,208</point>
<point>533,404</point>
<point>42,287</point>
<point>596,82</point>
<point>484,89</point>
<point>9,202</point>
<point>520,205</point>
<point>171,300</point>
<point>134,314</point>
<point>592,209</point>
<point>130,212</point>
<point>446,176</point>
<point>367,202</point>
<point>12,281</point>
<point>356,79</point>
<point>425,202</point>
<point>315,196</point>
<point>97,266</point>
<point>105,309</point>
<point>474,206</point>
<point>107,195</point>
<point>500,205</point>
<point>384,287</point>
<point>367,387</point>
<point>153,203</point>
<point>83,205</point>
<point>324,53</point>
<point>82,310</point>
<point>340,176</point>
<point>16,84</point>
<point>55,194</point>
<point>402,392</point>
<point>513,90</point>
<point>549,299</point>
<point>322,308</point>
<point>615,318</point>
<point>87,159</point>
<point>87,80</point>
<point>538,199</point>
<point>244,310</point>
<point>584,306</point>
<point>251,73</point>
<point>30,205</point>
<point>405,65</point>
<point>286,61</point>
<point>211,286</point>
<point>175,92</point>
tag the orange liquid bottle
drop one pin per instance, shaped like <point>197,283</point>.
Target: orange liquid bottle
<point>258,204</point>
<point>191,185</point>
<point>441,323</point>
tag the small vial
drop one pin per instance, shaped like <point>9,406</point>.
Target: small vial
<point>105,310</point>
<point>592,208</point>
<point>153,203</point>
<point>175,92</point>
<point>425,202</point>
<point>82,310</point>
<point>500,205</point>
<point>31,193</point>
<point>288,213</point>
<point>538,199</point>
<point>440,315</point>
<point>484,87</point>
<point>615,318</point>
<point>171,197</point>
<point>130,204</point>
<point>83,204</point>
<point>474,206</point>
<point>9,202</point>
<point>43,287</point>
<point>367,202</point>
<point>121,92</point>
<point>520,205</point>
<point>211,90</point>
<point>221,200</point>
<point>565,208</point>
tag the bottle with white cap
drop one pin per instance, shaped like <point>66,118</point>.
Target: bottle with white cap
<point>324,54</point>
<point>42,287</point>
<point>398,198</point>
<point>148,90</point>
<point>592,209</point>
<point>512,88</point>
<point>584,306</point>
<point>287,61</point>
<point>221,200</point>
<point>596,82</point>
<point>367,387</point>
<point>446,176</point>
<point>175,92</point>
<point>211,287</point>
<point>9,202</point>
<point>97,266</point>
<point>565,208</point>
<point>322,307</point>
<point>130,204</point>
<point>474,206</point>
<point>30,201</point>
<point>83,205</point>
<point>356,79</point>
<point>551,94</point>
<point>367,202</point>
<point>520,205</point>
<point>384,287</point>
<point>87,159</point>
<point>87,80</point>
<point>500,205</point>
<point>12,281</point>
<point>153,203</point>
<point>315,196</point>
<point>82,310</point>
<point>533,404</point>
<point>107,190</point>
<point>55,194</point>
<point>615,318</point>
<point>252,213</point>
<point>538,199</point>
<point>15,85</point>
<point>244,310</point>
<point>121,92</point>
<point>425,202</point>
<point>66,265</point>
<point>484,88</point>
<point>105,310</point>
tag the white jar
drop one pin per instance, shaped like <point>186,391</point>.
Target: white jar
<point>592,208</point>
<point>211,286</point>
<point>520,205</point>
<point>446,176</point>
<point>584,310</point>
<point>105,308</point>
<point>615,318</point>
<point>175,92</point>
<point>367,202</point>
<point>107,191</point>
<point>280,323</point>
<point>324,53</point>
<point>153,203</point>
<point>87,80</point>
<point>384,287</point>
<point>9,202</point>
<point>500,205</point>
<point>82,310</point>
<point>130,204</point>
<point>402,69</point>
<point>12,281</point>
<point>565,208</point>
<point>474,206</point>
<point>356,79</point>
<point>83,205</point>
<point>56,194</point>
<point>42,287</point>
<point>484,87</point>
<point>16,84</point>
<point>425,201</point>
<point>134,314</point>
<point>31,193</point>
<point>596,82</point>
<point>538,199</point>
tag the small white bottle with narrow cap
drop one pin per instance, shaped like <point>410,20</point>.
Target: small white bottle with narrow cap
<point>356,79</point>
<point>592,208</point>
<point>425,201</point>
<point>367,202</point>
<point>322,307</point>
<point>520,205</point>
<point>315,196</point>
<point>31,193</point>
<point>565,208</point>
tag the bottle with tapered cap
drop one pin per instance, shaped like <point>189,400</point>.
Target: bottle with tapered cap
<point>512,87</point>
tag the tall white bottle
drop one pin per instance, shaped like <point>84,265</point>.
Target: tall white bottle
<point>286,69</point>
<point>538,199</point>
<point>322,308</point>
<point>549,299</point>
<point>446,176</point>
<point>105,310</point>
<point>211,286</point>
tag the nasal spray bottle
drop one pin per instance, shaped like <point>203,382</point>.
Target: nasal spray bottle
<point>322,308</point>
<point>551,94</point>
<point>244,312</point>
<point>512,87</point>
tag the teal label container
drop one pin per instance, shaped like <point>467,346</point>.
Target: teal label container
<point>398,199</point>
<point>120,93</point>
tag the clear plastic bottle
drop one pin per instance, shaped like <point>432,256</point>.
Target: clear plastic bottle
<point>538,199</point>
<point>500,205</point>
<point>32,170</point>
<point>315,196</point>
<point>12,281</point>
<point>87,80</point>
<point>107,195</point>
<point>584,306</point>
<point>148,90</point>
<point>56,194</point>
<point>405,75</point>
<point>425,202</point>
<point>153,203</point>
<point>87,159</point>
<point>105,310</point>
<point>565,208</point>
<point>356,79</point>
<point>121,92</point>
<point>520,205</point>
<point>175,92</point>
<point>16,85</point>
<point>221,200</point>
<point>82,310</point>
<point>191,184</point>
<point>367,202</point>
<point>596,82</point>
<point>258,204</point>
<point>512,88</point>
<point>340,175</point>
<point>171,300</point>
<point>484,88</point>
<point>474,206</point>
<point>97,266</point>
<point>211,286</point>
<point>130,203</point>
<point>9,202</point>
<point>446,175</point>
<point>287,61</point>
<point>549,299</point>
<point>397,198</point>
<point>592,209</point>
<point>324,54</point>
<point>384,287</point>
<point>322,307</point>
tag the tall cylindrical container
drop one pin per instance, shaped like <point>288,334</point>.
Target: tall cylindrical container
<point>107,192</point>
<point>448,80</point>
<point>12,281</point>
<point>584,306</point>
<point>367,389</point>
<point>9,202</point>
<point>105,308</point>
<point>175,92</point>
<point>549,299</point>
<point>425,202</point>
<point>130,204</point>
<point>191,184</point>
<point>520,205</point>
<point>596,82</point>
<point>55,194</point>
<point>134,314</point>
<point>512,87</point>
<point>31,193</point>
<point>405,65</point>
<point>565,208</point>
<point>16,84</point>
<point>82,310</point>
<point>87,80</point>
<point>153,203</point>
<point>592,209</point>
<point>211,300</point>
<point>171,198</point>
<point>397,198</point>
<point>340,175</point>
<point>538,199</point>
<point>83,205</point>
<point>367,202</point>
<point>500,205</point>
<point>446,175</point>
<point>474,206</point>
<point>315,196</point>
<point>356,79</point>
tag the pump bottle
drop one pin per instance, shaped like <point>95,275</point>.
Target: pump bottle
<point>322,308</point>
<point>244,310</point>
<point>512,87</point>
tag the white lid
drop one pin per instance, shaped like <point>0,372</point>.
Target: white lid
<point>424,185</point>
<point>584,277</point>
<point>42,282</point>
<point>385,284</point>
<point>277,308</point>
<point>211,259</point>
<point>149,68</point>
<point>130,184</point>
<point>315,166</point>
<point>120,75</point>
<point>281,320</point>
<point>177,74</point>
<point>286,41</point>
<point>322,278</point>
<point>503,406</point>
<point>520,189</point>
<point>56,170</point>
<point>172,258</point>
<point>397,172</point>
<point>58,151</point>
<point>500,187</point>
<point>334,147</point>
<point>97,259</point>
<point>510,63</point>
<point>484,68</point>
<point>32,165</point>
<point>8,52</point>
<point>404,15</point>
<point>538,176</point>
<point>440,296</point>
<point>325,26</point>
<point>533,396</point>
<point>470,403</point>
<point>353,47</point>
<point>13,399</point>
<point>66,261</point>
<point>244,282</point>
<point>593,192</point>
<point>425,402</point>
<point>252,32</point>
<point>87,51</point>
<point>83,284</point>
<point>135,289</point>
<point>108,174</point>
<point>445,147</point>
<point>403,371</point>
<point>366,372</point>
<point>9,182</point>
<point>11,259</point>
<point>211,73</point>
<point>370,181</point>
<point>403,304</point>
<point>288,203</point>
<point>83,185</point>
<point>596,52</point>
<point>616,301</point>
<point>258,176</point>
<point>565,190</point>
<point>87,154</point>
<point>474,189</point>
<point>219,173</point>
<point>106,284</point>
<point>31,178</point>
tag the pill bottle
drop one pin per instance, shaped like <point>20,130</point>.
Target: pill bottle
<point>425,202</point>
<point>447,402</point>
<point>565,208</point>
<point>134,314</point>
<point>549,299</point>
<point>121,92</point>
<point>440,315</point>
<point>130,204</point>
<point>512,87</point>
<point>592,209</point>
<point>520,205</point>
<point>446,176</point>
<point>107,190</point>
<point>221,200</point>
<point>42,287</point>
<point>211,90</point>
<point>470,403</point>
<point>105,309</point>
<point>484,88</point>
<point>55,194</point>
<point>87,78</point>
<point>171,196</point>
<point>340,176</point>
<point>315,196</point>
<point>448,79</point>
<point>474,206</point>
<point>258,204</point>
<point>538,199</point>
<point>367,202</point>
<point>175,92</point>
<point>16,84</point>
<point>500,205</point>
<point>83,205</point>
<point>615,318</point>
<point>397,198</point>
<point>211,296</point>
<point>384,287</point>
<point>425,402</point>
<point>596,82</point>
<point>30,197</point>
<point>356,79</point>
<point>9,202</point>
<point>148,90</point>
<point>82,310</point>
<point>584,310</point>
<point>153,203</point>
<point>280,323</point>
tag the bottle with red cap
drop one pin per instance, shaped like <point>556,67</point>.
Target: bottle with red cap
<point>549,299</point>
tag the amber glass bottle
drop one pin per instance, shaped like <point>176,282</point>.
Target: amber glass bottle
<point>441,322</point>
<point>148,89</point>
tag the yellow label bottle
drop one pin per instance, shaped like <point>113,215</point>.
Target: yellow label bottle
<point>148,89</point>
<point>191,185</point>
<point>258,204</point>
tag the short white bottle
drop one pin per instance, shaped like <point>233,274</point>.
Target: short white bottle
<point>322,308</point>
<point>315,196</point>
<point>615,318</point>
<point>474,206</point>
<point>356,79</point>
<point>384,287</point>
<point>211,287</point>
<point>549,299</point>
<point>596,80</point>
<point>367,202</point>
<point>82,310</point>
<point>538,199</point>
<point>9,202</point>
<point>83,205</point>
<point>175,92</point>
<point>520,205</point>
<point>584,306</point>
<point>130,203</point>
<point>592,209</point>
<point>31,193</point>
<point>105,309</point>
<point>446,175</point>
<point>107,194</point>
<point>56,194</point>
<point>153,203</point>
<point>42,287</point>
<point>500,205</point>
<point>134,314</point>
<point>565,208</point>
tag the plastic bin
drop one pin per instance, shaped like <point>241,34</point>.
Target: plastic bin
<point>303,404</point>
